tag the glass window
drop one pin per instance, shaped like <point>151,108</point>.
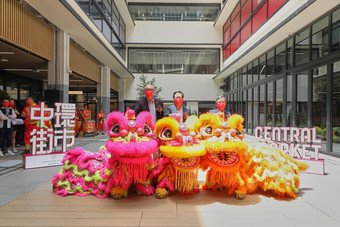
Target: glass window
<point>12,90</point>
<point>96,16</point>
<point>2,84</point>
<point>250,74</point>
<point>270,104</point>
<point>256,107</point>
<point>174,61</point>
<point>270,63</point>
<point>260,17</point>
<point>320,38</point>
<point>279,103</point>
<point>244,107</point>
<point>250,111</point>
<point>274,5</point>
<point>262,67</point>
<point>262,106</point>
<point>280,58</point>
<point>235,24</point>
<point>174,12</point>
<point>226,51</point>
<point>302,47</point>
<point>246,32</point>
<point>290,53</point>
<point>245,12</point>
<point>256,70</point>
<point>244,78</point>
<point>302,99</point>
<point>336,30</point>
<point>24,91</point>
<point>336,109</point>
<point>235,43</point>
<point>289,100</point>
<point>227,35</point>
<point>319,102</point>
<point>235,81</point>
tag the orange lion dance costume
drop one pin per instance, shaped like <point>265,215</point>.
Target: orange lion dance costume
<point>240,168</point>
<point>181,155</point>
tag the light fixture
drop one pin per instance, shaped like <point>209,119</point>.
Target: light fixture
<point>6,52</point>
<point>75,92</point>
<point>3,59</point>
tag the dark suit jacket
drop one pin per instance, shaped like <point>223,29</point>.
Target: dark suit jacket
<point>142,105</point>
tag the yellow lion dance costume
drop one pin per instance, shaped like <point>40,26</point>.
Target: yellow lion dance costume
<point>241,169</point>
<point>181,156</point>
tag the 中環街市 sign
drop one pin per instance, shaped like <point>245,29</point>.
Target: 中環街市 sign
<point>44,137</point>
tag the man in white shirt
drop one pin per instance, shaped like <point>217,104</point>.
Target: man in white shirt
<point>6,116</point>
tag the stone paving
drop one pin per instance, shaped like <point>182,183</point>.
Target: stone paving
<point>26,200</point>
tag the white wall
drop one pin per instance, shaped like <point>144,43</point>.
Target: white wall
<point>194,87</point>
<point>170,32</point>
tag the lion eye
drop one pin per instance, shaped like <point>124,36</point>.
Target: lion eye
<point>115,129</point>
<point>147,129</point>
<point>208,130</point>
<point>166,134</point>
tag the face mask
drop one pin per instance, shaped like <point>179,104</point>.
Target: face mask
<point>149,94</point>
<point>11,104</point>
<point>178,102</point>
<point>220,106</point>
<point>5,104</point>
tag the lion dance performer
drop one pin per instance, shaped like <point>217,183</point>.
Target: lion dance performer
<point>124,162</point>
<point>131,146</point>
<point>30,125</point>
<point>181,151</point>
<point>241,169</point>
<point>101,120</point>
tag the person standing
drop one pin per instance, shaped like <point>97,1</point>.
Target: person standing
<point>150,103</point>
<point>101,120</point>
<point>16,124</point>
<point>6,116</point>
<point>177,108</point>
<point>220,108</point>
<point>30,125</point>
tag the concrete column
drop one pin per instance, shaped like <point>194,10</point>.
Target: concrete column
<point>121,106</point>
<point>103,89</point>
<point>59,69</point>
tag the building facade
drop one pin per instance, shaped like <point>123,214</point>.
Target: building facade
<point>276,61</point>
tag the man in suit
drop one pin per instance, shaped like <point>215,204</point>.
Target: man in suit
<point>177,108</point>
<point>150,103</point>
<point>220,111</point>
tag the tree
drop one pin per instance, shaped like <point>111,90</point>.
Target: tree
<point>4,95</point>
<point>143,82</point>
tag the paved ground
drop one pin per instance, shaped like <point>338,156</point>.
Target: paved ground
<point>26,200</point>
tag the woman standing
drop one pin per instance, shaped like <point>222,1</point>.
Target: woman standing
<point>16,124</point>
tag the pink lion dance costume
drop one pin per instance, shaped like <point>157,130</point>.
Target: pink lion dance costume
<point>126,161</point>
<point>131,146</point>
<point>83,173</point>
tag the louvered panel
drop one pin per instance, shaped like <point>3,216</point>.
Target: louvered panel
<point>24,29</point>
<point>114,81</point>
<point>82,64</point>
